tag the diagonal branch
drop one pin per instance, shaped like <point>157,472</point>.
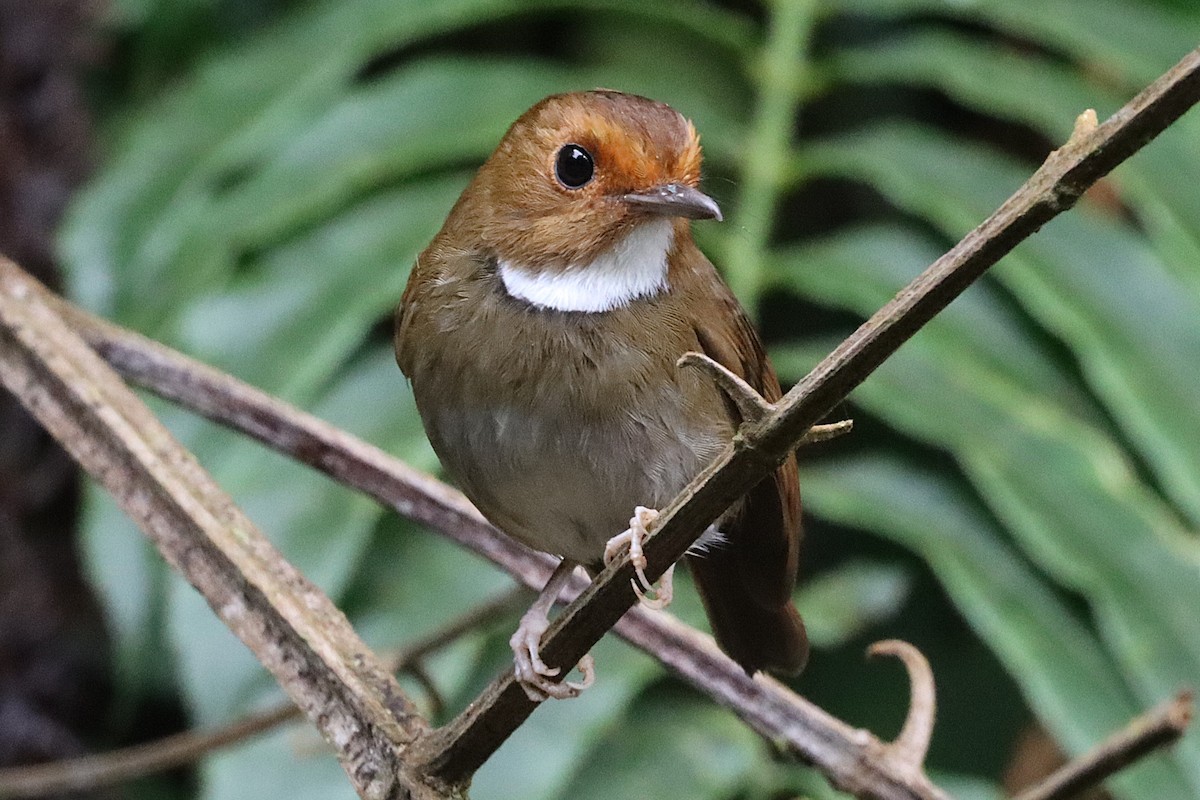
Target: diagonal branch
<point>292,627</point>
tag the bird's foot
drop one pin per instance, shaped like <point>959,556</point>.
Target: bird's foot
<point>532,673</point>
<point>649,596</point>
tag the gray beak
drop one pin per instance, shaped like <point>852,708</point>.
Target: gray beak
<point>675,200</point>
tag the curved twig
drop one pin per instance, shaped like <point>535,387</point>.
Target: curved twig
<point>87,773</point>
<point>750,404</point>
<point>909,748</point>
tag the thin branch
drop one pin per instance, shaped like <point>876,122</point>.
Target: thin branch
<point>88,773</point>
<point>1158,728</point>
<point>750,404</point>
<point>290,625</point>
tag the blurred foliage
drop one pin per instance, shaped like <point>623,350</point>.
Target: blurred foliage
<point>1020,497</point>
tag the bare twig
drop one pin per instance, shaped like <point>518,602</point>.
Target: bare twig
<point>292,627</point>
<point>823,433</point>
<point>908,750</point>
<point>1157,728</point>
<point>752,406</point>
<point>88,773</point>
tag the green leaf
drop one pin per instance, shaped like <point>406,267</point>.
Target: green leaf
<point>1046,94</point>
<point>668,746</point>
<point>1062,490</point>
<point>1059,482</point>
<point>290,762</point>
<point>840,604</point>
<point>304,306</point>
<point>131,577</point>
<point>860,269</point>
<point>146,215</point>
<point>1136,40</point>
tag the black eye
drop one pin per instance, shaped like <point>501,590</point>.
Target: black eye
<point>574,166</point>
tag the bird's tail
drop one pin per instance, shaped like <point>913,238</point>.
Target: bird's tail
<point>756,636</point>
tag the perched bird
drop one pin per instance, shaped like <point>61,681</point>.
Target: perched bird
<point>541,329</point>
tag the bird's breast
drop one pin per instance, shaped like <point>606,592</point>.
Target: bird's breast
<point>557,425</point>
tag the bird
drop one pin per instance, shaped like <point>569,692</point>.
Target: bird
<point>540,331</point>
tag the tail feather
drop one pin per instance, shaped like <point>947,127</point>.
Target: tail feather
<point>756,636</point>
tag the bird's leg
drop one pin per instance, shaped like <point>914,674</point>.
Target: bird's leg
<point>532,673</point>
<point>633,537</point>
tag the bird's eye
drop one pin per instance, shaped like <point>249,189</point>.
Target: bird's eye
<point>574,166</point>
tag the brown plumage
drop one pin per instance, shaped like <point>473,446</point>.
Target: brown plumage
<point>557,422</point>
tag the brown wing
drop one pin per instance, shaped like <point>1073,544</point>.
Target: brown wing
<point>747,583</point>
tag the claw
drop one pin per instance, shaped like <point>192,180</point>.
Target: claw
<point>532,673</point>
<point>587,668</point>
<point>662,595</point>
<point>632,538</point>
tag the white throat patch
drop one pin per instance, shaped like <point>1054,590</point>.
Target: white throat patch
<point>634,267</point>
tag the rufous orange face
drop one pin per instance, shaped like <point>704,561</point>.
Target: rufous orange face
<point>554,191</point>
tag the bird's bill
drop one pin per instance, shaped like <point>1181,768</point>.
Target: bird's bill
<point>675,200</point>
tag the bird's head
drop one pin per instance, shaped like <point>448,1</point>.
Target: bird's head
<point>594,186</point>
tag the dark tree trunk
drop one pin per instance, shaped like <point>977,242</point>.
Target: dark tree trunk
<point>53,664</point>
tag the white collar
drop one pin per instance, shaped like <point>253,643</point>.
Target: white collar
<point>636,266</point>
